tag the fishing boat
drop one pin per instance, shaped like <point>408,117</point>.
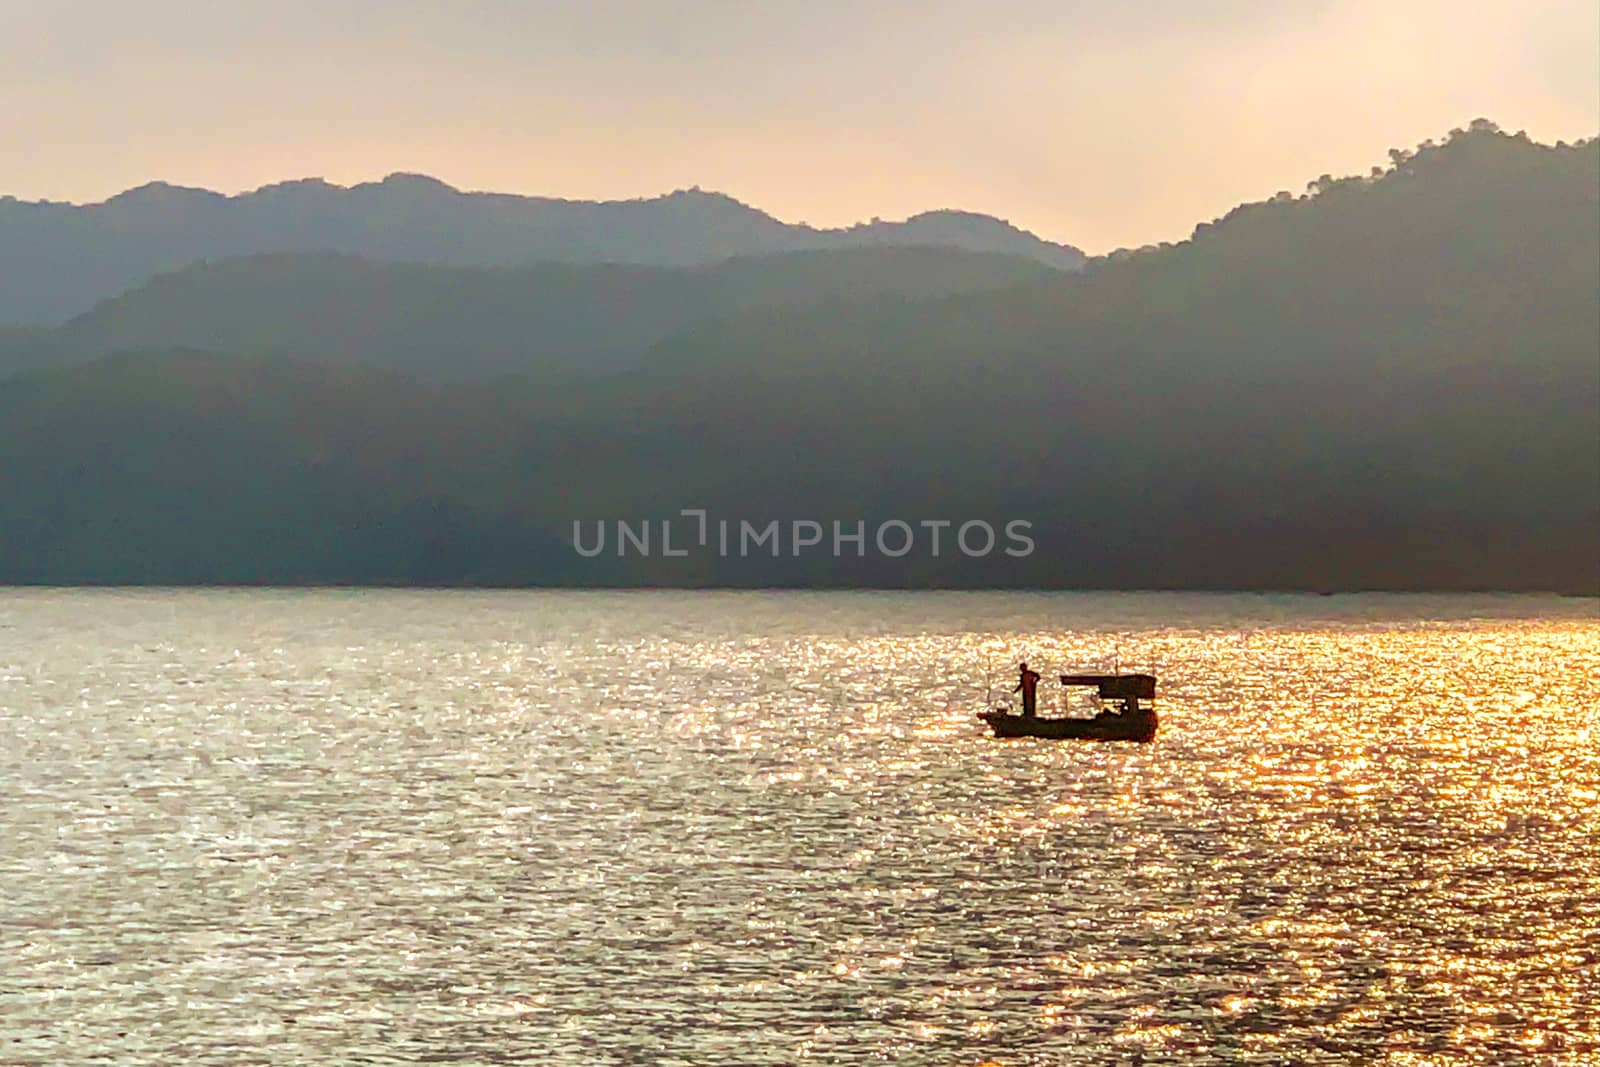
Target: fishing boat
<point>1129,721</point>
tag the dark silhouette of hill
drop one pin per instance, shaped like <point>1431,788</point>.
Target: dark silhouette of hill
<point>58,260</point>
<point>1389,382</point>
<point>181,468</point>
<point>443,322</point>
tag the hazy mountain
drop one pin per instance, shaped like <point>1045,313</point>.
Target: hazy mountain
<point>183,468</point>
<point>57,260</point>
<point>1390,382</point>
<point>23,347</point>
<point>454,322</point>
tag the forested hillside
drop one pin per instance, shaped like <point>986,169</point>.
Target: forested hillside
<point>1388,382</point>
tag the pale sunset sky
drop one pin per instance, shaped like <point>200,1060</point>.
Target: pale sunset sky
<point>1103,124</point>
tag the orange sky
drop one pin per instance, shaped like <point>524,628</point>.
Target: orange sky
<point>1101,124</point>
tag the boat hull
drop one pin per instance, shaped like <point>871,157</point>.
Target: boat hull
<point>1138,726</point>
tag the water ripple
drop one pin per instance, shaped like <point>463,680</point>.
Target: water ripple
<point>766,828</point>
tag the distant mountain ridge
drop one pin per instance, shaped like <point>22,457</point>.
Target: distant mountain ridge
<point>455,323</point>
<point>1390,382</point>
<point>57,260</point>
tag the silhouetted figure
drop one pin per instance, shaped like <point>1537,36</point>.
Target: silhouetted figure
<point>1028,683</point>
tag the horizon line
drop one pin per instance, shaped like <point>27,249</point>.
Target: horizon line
<point>698,190</point>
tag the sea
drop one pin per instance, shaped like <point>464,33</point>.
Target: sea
<point>686,828</point>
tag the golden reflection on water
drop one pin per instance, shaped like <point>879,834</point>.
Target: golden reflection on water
<point>765,828</point>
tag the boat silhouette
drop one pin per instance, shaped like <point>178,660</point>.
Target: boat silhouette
<point>1130,721</point>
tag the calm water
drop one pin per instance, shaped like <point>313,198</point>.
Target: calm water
<point>665,828</point>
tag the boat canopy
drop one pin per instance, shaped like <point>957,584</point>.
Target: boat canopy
<point>1117,686</point>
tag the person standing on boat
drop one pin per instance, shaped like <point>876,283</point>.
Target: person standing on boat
<point>1028,683</point>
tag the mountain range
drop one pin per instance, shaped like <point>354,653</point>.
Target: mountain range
<point>445,323</point>
<point>58,260</point>
<point>1389,382</point>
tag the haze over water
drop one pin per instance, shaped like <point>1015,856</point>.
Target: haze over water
<point>691,828</point>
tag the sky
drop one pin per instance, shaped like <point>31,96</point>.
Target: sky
<point>1102,124</point>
